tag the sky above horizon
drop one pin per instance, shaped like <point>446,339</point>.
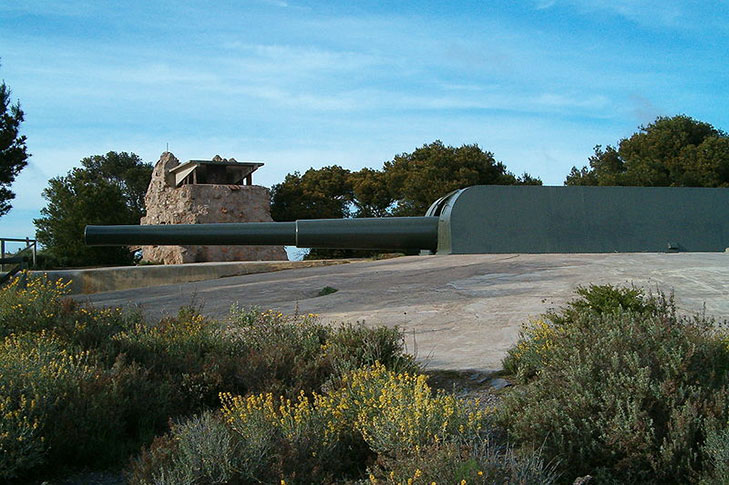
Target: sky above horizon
<point>300,84</point>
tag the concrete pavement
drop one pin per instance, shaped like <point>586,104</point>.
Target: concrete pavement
<point>459,312</point>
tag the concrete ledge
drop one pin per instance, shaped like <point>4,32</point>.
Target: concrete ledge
<point>99,280</point>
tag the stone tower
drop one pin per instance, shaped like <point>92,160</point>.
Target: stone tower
<point>206,191</point>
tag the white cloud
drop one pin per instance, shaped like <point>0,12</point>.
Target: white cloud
<point>545,4</point>
<point>277,3</point>
<point>673,14</point>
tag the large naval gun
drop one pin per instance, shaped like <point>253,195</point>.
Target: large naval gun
<point>486,219</point>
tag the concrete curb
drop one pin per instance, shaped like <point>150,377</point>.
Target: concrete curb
<point>99,280</point>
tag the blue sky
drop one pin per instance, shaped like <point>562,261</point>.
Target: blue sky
<point>299,84</point>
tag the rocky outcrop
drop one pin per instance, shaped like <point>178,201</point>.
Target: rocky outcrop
<point>194,204</point>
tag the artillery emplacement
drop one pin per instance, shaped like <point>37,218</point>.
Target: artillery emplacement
<point>486,219</point>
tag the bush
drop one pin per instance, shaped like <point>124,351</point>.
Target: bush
<point>31,304</point>
<point>398,412</point>
<point>327,437</point>
<point>81,386</point>
<point>200,450</point>
<point>620,387</point>
<point>716,452</point>
<point>538,335</point>
<point>352,346</point>
<point>285,354</point>
<point>59,407</point>
<point>476,462</point>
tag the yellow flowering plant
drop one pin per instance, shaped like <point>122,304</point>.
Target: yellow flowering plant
<point>377,410</point>
<point>30,303</point>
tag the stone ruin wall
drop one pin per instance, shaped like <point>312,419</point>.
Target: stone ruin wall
<point>193,204</point>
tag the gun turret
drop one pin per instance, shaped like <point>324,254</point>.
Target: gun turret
<point>487,219</point>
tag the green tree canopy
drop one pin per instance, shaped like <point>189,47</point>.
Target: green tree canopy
<point>372,197</point>
<point>418,179</point>
<point>108,189</point>
<point>324,193</point>
<point>13,154</point>
<point>127,172</point>
<point>406,185</point>
<point>677,151</point>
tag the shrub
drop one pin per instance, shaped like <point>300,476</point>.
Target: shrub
<point>475,462</point>
<point>626,393</point>
<point>81,386</point>
<point>199,450</point>
<point>285,354</point>
<point>327,290</point>
<point>538,335</point>
<point>397,412</point>
<point>59,408</point>
<point>295,440</point>
<point>30,303</point>
<point>536,341</point>
<point>352,346</point>
<point>602,299</point>
<point>188,355</point>
<point>330,437</point>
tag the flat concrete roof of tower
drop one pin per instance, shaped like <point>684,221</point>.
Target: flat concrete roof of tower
<point>459,312</point>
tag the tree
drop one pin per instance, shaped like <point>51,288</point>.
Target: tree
<point>127,172</point>
<point>371,195</point>
<point>324,193</point>
<point>418,179</point>
<point>13,154</point>
<point>108,189</point>
<point>675,151</point>
<point>406,185</point>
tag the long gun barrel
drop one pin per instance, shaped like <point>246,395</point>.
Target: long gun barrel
<point>364,233</point>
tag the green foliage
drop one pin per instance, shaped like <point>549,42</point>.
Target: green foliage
<point>13,152</point>
<point>538,335</point>
<point>128,173</point>
<point>30,304</point>
<point>602,299</point>
<point>406,185</point>
<point>353,346</point>
<point>480,461</point>
<point>675,151</point>
<point>199,450</point>
<point>327,290</point>
<point>108,189</point>
<point>323,438</point>
<point>286,354</point>
<point>317,194</point>
<point>716,453</point>
<point>398,412</point>
<point>81,386</point>
<point>61,408</point>
<point>323,253</point>
<point>418,179</point>
<point>372,197</point>
<point>619,386</point>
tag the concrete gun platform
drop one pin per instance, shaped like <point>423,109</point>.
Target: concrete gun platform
<point>459,312</point>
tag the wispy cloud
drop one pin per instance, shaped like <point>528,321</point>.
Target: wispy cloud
<point>301,84</point>
<point>544,4</point>
<point>673,14</point>
<point>276,3</point>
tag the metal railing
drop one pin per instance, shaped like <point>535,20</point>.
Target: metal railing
<point>18,260</point>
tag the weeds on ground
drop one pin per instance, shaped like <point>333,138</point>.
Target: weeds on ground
<point>327,290</point>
